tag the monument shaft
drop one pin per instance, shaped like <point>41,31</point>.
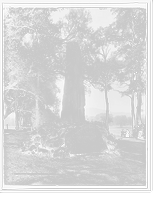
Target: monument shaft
<point>74,94</point>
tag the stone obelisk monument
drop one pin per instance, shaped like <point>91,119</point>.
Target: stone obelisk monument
<point>74,94</point>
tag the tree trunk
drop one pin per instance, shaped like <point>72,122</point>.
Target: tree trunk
<point>107,109</point>
<point>17,120</point>
<point>133,114</point>
<point>37,102</point>
<point>21,113</point>
<point>139,121</point>
<point>133,111</point>
<point>37,105</point>
<point>25,118</point>
<point>139,98</point>
<point>16,115</point>
<point>132,79</point>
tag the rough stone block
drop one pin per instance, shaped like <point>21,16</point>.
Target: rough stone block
<point>57,126</point>
<point>58,153</point>
<point>61,132</point>
<point>67,152</point>
<point>41,132</point>
<point>54,143</point>
<point>85,139</point>
<point>63,146</point>
<point>69,128</point>
<point>44,152</point>
<point>53,133</point>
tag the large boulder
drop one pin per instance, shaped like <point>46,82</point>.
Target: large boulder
<point>43,152</point>
<point>57,126</point>
<point>54,143</point>
<point>58,153</point>
<point>85,139</point>
<point>61,132</point>
<point>36,138</point>
<point>52,133</point>
<point>46,126</point>
<point>63,146</point>
<point>69,128</point>
<point>44,140</point>
<point>42,131</point>
<point>67,152</point>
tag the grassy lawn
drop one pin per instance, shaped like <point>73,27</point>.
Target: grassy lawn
<point>124,167</point>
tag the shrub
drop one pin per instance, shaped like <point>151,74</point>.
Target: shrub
<point>111,143</point>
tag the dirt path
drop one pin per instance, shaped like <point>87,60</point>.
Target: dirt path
<point>126,168</point>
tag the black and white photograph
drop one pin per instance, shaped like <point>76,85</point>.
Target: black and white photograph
<point>76,96</point>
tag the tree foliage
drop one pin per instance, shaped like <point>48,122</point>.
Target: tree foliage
<point>104,65</point>
<point>29,70</point>
<point>35,43</point>
<point>130,26</point>
<point>75,24</point>
<point>131,31</point>
<point>17,22</point>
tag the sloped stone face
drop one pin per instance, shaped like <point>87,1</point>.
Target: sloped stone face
<point>74,94</point>
<point>54,143</point>
<point>61,132</point>
<point>85,139</point>
<point>58,153</point>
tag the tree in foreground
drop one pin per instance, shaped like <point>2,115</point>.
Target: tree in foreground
<point>29,60</point>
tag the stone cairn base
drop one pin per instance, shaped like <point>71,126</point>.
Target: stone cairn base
<point>49,140</point>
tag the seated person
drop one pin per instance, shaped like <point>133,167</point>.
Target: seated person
<point>127,133</point>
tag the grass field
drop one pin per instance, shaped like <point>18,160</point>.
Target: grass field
<point>124,167</point>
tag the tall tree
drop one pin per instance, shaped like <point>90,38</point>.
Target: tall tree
<point>75,25</point>
<point>17,22</point>
<point>30,42</point>
<point>104,65</point>
<point>130,28</point>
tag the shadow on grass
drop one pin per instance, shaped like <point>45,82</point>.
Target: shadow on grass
<point>94,175</point>
<point>92,169</point>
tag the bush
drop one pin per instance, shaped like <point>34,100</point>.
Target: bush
<point>112,145</point>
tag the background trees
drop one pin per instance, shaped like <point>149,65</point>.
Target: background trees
<point>35,41</point>
<point>106,65</point>
<point>17,23</point>
<point>35,57</point>
<point>130,28</point>
<point>29,57</point>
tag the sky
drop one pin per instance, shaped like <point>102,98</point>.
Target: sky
<point>95,100</point>
<point>100,17</point>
